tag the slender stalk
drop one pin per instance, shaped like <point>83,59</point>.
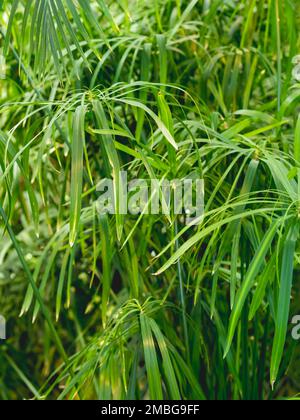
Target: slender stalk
<point>279,55</point>
<point>182,298</point>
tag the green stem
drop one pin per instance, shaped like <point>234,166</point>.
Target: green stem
<point>279,55</point>
<point>182,299</point>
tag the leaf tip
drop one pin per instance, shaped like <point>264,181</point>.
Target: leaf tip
<point>273,381</point>
<point>227,349</point>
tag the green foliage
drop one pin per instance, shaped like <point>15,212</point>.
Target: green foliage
<point>124,307</point>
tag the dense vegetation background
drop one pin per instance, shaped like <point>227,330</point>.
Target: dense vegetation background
<point>129,307</point>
